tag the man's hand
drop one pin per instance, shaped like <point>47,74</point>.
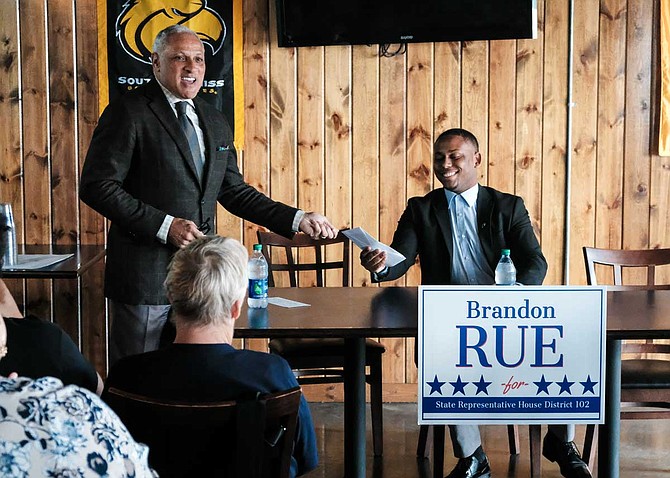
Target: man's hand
<point>317,226</point>
<point>182,232</point>
<point>373,260</point>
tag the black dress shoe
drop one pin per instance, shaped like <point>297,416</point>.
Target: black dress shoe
<point>471,467</point>
<point>566,455</point>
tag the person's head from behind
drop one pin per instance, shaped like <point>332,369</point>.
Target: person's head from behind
<point>178,61</point>
<point>207,281</point>
<point>456,159</point>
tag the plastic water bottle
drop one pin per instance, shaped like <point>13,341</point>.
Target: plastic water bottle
<point>505,270</point>
<point>258,279</point>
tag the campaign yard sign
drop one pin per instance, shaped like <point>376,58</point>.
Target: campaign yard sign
<point>492,354</point>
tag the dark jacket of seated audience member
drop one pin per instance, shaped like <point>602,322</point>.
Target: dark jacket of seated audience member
<point>215,372</point>
<point>39,349</point>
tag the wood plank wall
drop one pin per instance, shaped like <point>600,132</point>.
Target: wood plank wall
<point>343,131</point>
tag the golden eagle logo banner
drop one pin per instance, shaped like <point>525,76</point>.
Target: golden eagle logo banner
<point>127,29</point>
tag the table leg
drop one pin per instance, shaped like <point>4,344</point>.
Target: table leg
<point>354,408</point>
<point>610,432</point>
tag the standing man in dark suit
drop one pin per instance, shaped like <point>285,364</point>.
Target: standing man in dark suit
<point>158,162</point>
<point>458,232</point>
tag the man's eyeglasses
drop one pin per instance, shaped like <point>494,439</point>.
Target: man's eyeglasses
<point>205,227</point>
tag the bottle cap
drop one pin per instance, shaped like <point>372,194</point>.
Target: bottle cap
<point>258,247</point>
<point>505,252</point>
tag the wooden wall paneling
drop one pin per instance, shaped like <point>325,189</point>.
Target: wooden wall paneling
<point>255,158</point>
<point>392,148</point>
<point>11,178</point>
<point>447,88</point>
<point>659,217</point>
<point>611,109</point>
<point>554,127</point>
<point>529,106</point>
<point>419,127</point>
<point>256,135</point>
<point>337,145</point>
<point>637,125</point>
<point>502,115</point>
<point>447,94</point>
<point>420,124</point>
<point>36,157</point>
<point>64,155</point>
<point>584,135</point>
<point>659,230</point>
<point>283,162</point>
<point>475,100</point>
<point>310,74</point>
<point>365,133</point>
<point>392,182</point>
<point>93,311</point>
<point>393,174</point>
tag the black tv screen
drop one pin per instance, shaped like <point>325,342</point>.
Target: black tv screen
<point>367,22</point>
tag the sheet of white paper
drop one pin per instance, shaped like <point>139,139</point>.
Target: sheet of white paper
<point>362,239</point>
<point>29,262</point>
<point>288,303</point>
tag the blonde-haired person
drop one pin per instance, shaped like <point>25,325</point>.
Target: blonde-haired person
<point>49,429</point>
<point>206,285</point>
<point>41,348</point>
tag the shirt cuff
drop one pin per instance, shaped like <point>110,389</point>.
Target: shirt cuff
<point>162,234</point>
<point>297,219</point>
<point>381,274</point>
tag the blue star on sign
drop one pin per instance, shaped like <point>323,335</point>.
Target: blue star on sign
<point>542,386</point>
<point>459,386</point>
<point>589,385</point>
<point>435,386</point>
<point>565,385</point>
<point>482,386</point>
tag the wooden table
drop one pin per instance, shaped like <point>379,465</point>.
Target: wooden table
<point>352,313</point>
<point>84,257</point>
<point>87,334</point>
<point>355,313</point>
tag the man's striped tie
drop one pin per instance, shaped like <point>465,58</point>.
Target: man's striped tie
<point>191,136</point>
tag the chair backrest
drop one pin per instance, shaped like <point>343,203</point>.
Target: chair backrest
<point>619,260</point>
<point>294,262</point>
<point>251,438</point>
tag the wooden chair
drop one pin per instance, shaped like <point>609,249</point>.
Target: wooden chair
<point>645,382</point>
<point>251,438</point>
<point>321,360</point>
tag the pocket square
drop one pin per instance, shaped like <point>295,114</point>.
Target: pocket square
<point>223,148</point>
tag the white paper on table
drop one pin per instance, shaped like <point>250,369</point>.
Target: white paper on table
<point>288,303</point>
<point>362,239</point>
<point>31,262</point>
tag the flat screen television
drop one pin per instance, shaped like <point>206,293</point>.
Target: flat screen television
<point>368,22</point>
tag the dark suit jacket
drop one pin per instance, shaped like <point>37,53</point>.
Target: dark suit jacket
<point>42,349</point>
<point>139,168</point>
<point>198,373</point>
<point>424,230</point>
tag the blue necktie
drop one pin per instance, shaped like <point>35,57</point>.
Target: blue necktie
<point>191,136</point>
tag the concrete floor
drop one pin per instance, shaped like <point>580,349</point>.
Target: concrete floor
<point>645,447</point>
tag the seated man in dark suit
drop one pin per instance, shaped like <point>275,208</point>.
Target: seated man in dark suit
<point>41,349</point>
<point>458,232</point>
<point>206,285</point>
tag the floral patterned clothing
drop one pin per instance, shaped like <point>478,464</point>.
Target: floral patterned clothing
<point>55,431</point>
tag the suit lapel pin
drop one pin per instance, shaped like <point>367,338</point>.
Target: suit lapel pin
<point>222,148</point>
